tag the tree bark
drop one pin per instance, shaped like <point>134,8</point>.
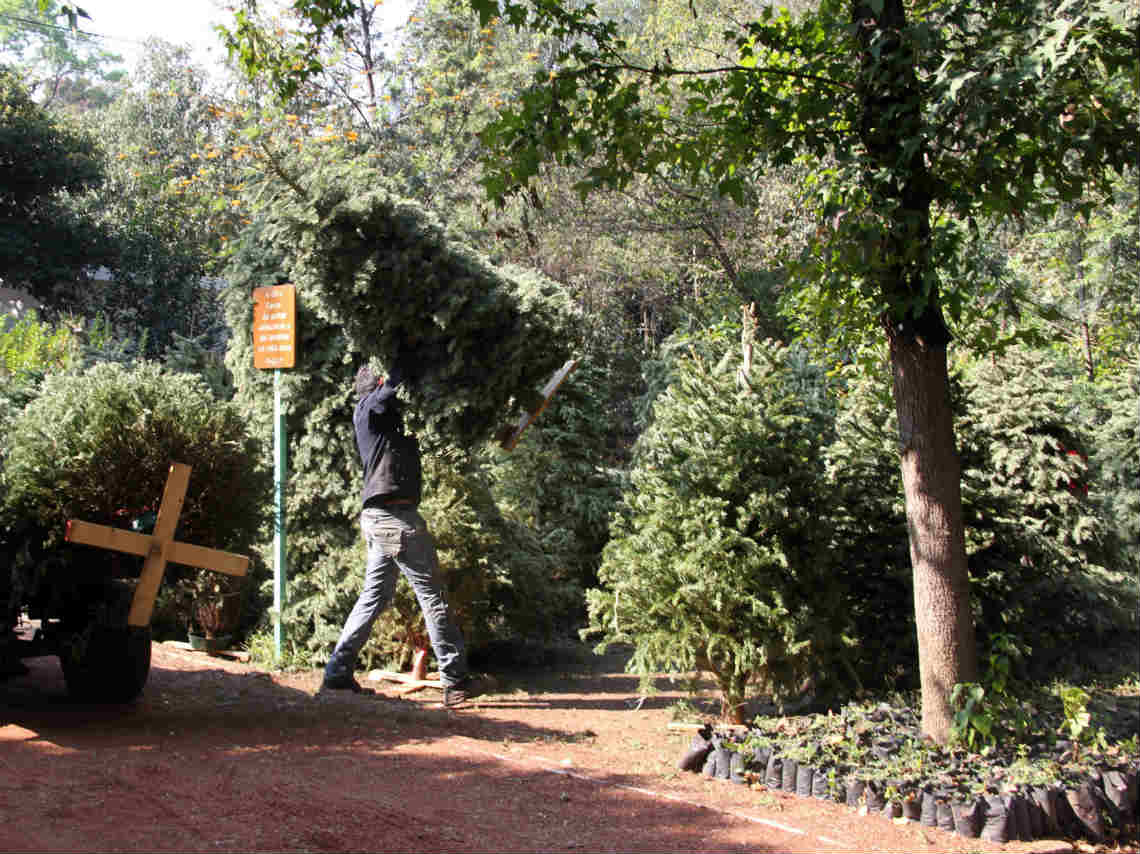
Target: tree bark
<point>931,474</point>
<point>890,127</point>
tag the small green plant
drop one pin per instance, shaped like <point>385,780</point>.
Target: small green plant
<point>1077,723</point>
<point>992,710</point>
<point>1077,717</point>
<point>972,722</point>
<point>33,345</point>
<point>684,710</point>
<point>263,652</point>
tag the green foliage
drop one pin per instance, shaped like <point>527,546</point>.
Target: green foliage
<point>63,72</point>
<point>1086,271</point>
<point>31,345</point>
<point>190,355</point>
<point>716,560</point>
<point>44,247</point>
<point>1116,461</point>
<point>291,63</point>
<point>1077,718</point>
<point>97,446</point>
<point>479,340</point>
<point>868,534</point>
<point>1042,564</point>
<point>164,175</point>
<point>1045,568</point>
<point>971,722</point>
<point>993,712</point>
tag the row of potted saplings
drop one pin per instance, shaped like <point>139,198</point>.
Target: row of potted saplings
<point>1106,797</point>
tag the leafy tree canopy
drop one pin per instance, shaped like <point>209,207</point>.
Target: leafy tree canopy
<point>43,246</point>
<point>64,67</point>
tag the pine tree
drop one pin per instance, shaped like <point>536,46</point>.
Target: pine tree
<point>477,339</point>
<point>717,561</point>
<point>1116,462</point>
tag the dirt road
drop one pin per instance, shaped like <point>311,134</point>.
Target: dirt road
<point>219,756</point>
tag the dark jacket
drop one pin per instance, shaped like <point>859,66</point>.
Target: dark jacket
<point>391,458</point>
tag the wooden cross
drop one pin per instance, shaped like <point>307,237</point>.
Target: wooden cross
<point>157,547</point>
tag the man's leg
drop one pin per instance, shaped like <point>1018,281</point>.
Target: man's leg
<point>383,538</point>
<point>418,562</point>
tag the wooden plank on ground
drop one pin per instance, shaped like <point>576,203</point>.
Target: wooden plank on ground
<point>392,676</point>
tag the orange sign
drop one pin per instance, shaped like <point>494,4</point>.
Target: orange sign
<point>274,326</point>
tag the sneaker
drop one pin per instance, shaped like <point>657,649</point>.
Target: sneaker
<point>344,683</point>
<point>458,694</point>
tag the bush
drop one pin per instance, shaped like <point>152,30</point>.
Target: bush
<point>1039,546</point>
<point>97,446</point>
<point>31,345</point>
<point>1116,463</point>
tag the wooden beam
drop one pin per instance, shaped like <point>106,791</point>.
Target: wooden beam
<point>204,558</point>
<point>392,676</point>
<point>715,726</point>
<point>105,537</point>
<point>142,606</point>
<point>157,548</point>
<point>511,437</point>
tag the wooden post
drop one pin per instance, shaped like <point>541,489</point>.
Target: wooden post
<point>158,548</point>
<point>419,665</point>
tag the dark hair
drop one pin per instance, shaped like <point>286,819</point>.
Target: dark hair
<point>365,382</point>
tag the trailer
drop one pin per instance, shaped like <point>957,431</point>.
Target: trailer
<point>97,619</point>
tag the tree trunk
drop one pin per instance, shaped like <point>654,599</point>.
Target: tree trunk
<point>891,130</point>
<point>931,475</point>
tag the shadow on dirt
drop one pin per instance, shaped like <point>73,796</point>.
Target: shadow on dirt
<point>573,677</point>
<point>227,759</point>
<point>239,708</point>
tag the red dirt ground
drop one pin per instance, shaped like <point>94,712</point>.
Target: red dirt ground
<point>220,756</point>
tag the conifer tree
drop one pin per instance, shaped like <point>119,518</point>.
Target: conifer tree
<point>479,340</point>
<point>1116,462</point>
<point>718,560</point>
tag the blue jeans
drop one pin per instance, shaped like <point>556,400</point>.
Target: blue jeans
<point>399,541</point>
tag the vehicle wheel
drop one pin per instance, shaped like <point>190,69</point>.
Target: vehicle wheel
<point>105,664</point>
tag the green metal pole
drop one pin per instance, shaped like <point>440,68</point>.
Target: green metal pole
<point>279,468</point>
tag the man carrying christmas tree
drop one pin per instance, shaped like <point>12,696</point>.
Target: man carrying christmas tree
<point>398,541</point>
